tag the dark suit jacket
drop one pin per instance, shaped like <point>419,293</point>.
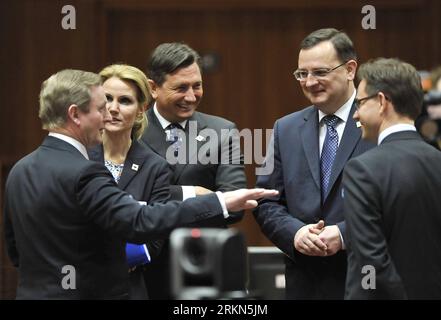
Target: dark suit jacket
<point>296,175</point>
<point>393,215</point>
<point>216,177</point>
<point>146,176</point>
<point>61,209</point>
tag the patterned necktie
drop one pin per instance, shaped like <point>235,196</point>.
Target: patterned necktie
<point>174,136</point>
<point>329,151</point>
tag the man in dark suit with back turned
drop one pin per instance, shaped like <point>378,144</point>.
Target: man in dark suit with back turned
<point>310,149</point>
<point>66,221</point>
<point>391,193</point>
<point>207,160</point>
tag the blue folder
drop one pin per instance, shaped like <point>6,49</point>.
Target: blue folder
<point>137,254</point>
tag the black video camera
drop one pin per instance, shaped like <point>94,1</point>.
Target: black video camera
<point>432,97</point>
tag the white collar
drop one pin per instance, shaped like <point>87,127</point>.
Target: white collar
<point>395,128</point>
<point>78,145</point>
<point>343,112</point>
<point>164,122</point>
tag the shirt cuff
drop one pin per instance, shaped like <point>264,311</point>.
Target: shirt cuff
<point>343,247</point>
<point>147,253</point>
<point>188,192</point>
<point>221,198</point>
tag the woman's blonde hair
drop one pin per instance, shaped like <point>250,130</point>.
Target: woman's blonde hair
<point>139,79</point>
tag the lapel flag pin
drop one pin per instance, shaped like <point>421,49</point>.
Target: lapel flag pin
<point>135,167</point>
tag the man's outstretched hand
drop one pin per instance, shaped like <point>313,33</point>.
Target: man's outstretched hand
<point>246,198</point>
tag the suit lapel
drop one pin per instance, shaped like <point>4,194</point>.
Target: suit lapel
<point>351,136</point>
<point>200,125</point>
<point>193,156</point>
<point>310,141</point>
<point>154,135</point>
<point>132,166</point>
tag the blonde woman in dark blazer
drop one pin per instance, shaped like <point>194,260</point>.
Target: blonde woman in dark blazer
<point>134,166</point>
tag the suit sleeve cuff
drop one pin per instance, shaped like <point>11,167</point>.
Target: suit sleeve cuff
<point>343,247</point>
<point>220,196</point>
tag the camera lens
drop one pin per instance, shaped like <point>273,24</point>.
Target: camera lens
<point>196,251</point>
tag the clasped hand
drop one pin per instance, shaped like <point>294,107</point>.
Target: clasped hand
<point>318,240</point>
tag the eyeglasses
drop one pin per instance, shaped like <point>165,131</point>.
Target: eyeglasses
<point>358,102</point>
<point>302,75</point>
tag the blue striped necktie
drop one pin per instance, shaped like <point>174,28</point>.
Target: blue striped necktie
<point>174,136</point>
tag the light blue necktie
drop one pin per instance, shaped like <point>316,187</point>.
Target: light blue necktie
<point>329,151</point>
<point>174,136</point>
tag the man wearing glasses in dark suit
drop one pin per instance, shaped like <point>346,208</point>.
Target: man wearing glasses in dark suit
<point>392,203</point>
<point>311,148</point>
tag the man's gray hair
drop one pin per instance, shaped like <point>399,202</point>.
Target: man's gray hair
<point>60,91</point>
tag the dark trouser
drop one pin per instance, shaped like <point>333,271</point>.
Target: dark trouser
<point>312,278</point>
<point>137,289</point>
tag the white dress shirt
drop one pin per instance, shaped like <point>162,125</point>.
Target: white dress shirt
<point>342,113</point>
<point>395,128</point>
<point>78,145</point>
<point>188,191</point>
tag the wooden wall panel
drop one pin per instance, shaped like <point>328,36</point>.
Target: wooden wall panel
<point>34,46</point>
<point>8,274</point>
